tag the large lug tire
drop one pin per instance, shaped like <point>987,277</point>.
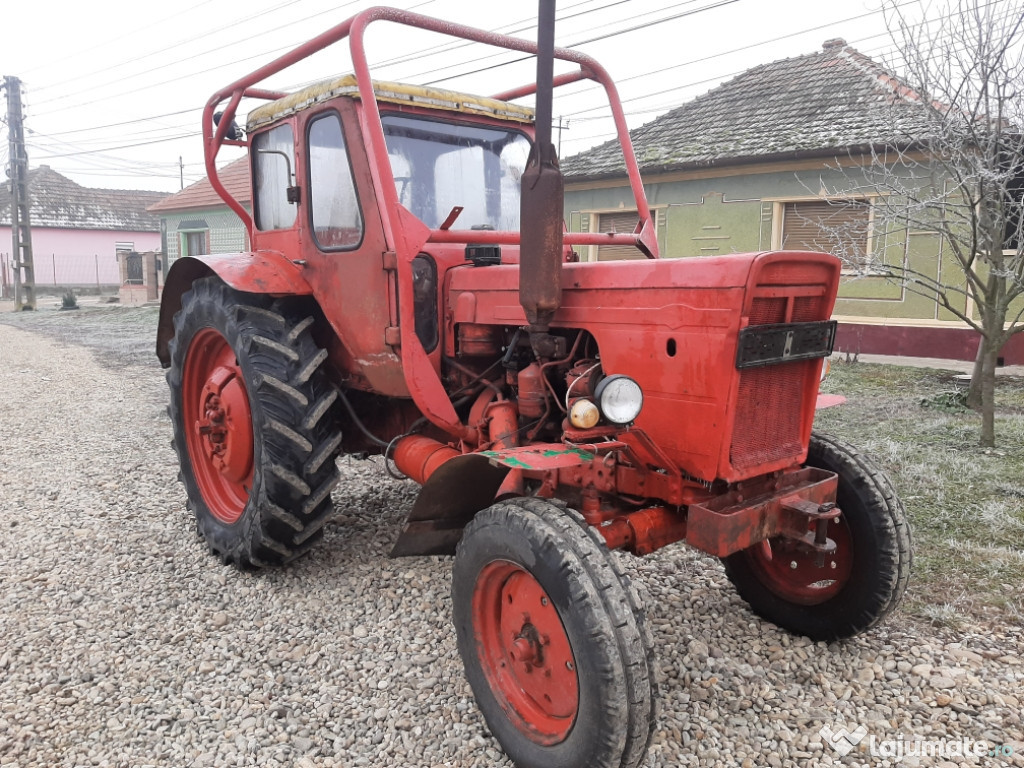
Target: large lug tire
<point>864,580</point>
<point>553,639</point>
<point>253,423</point>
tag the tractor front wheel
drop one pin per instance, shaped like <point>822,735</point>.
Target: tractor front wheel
<point>857,586</point>
<point>253,430</point>
<point>553,639</point>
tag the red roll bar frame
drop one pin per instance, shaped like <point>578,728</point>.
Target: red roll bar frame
<point>214,137</point>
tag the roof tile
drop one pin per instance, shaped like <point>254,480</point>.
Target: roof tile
<point>57,201</point>
<point>834,99</point>
<point>234,176</point>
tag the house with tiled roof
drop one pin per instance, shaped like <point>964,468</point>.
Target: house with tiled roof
<point>755,164</point>
<point>196,221</point>
<point>78,231</point>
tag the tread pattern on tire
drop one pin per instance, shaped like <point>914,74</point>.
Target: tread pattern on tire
<point>291,401</point>
<point>839,618</point>
<point>582,549</point>
<point>901,555</point>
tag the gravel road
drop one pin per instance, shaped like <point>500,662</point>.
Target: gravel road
<point>123,643</point>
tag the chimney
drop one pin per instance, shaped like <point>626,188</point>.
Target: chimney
<point>835,44</point>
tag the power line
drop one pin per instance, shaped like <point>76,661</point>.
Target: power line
<point>695,11</point>
<point>661,91</point>
<point>528,24</point>
<point>122,36</point>
<point>171,47</point>
<point>261,55</point>
<point>126,122</point>
<point>183,135</point>
<point>123,146</point>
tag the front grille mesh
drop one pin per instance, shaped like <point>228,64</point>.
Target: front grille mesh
<point>767,424</point>
<point>771,399</point>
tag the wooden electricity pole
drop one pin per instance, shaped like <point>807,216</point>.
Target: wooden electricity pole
<point>21,230</point>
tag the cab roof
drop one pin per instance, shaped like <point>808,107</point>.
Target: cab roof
<point>392,93</point>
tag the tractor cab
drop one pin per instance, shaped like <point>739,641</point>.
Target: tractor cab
<point>449,162</point>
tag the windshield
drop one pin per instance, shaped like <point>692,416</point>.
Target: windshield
<point>438,166</point>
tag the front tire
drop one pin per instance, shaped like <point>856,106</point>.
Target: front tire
<point>253,428</point>
<point>861,583</point>
<point>553,639</point>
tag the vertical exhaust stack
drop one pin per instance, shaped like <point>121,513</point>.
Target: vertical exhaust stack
<point>542,202</point>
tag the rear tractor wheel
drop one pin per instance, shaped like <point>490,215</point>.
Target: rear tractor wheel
<point>253,428</point>
<point>553,639</point>
<point>855,588</point>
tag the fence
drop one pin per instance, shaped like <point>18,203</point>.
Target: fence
<point>58,272</point>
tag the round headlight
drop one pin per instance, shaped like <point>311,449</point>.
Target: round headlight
<point>620,399</point>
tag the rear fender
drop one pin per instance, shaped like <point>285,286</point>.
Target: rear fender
<point>267,272</point>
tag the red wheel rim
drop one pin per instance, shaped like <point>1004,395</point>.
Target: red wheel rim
<point>525,652</point>
<point>217,424</point>
<point>791,571</point>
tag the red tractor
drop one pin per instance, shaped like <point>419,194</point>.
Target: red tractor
<point>411,292</point>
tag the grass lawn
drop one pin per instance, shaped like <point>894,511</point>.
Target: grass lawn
<point>965,503</point>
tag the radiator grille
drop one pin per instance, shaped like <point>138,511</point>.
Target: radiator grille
<point>766,311</point>
<point>807,309</point>
<point>767,424</point>
<point>771,399</point>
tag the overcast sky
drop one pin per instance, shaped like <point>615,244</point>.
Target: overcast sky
<point>114,89</point>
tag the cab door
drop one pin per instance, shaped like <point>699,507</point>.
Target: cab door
<point>344,250</point>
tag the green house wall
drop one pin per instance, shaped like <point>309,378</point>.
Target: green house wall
<point>227,234</point>
<point>736,213</point>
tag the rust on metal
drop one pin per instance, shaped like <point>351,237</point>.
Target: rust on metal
<point>541,202</point>
<point>781,507</point>
<point>418,457</point>
<point>644,531</point>
<point>540,457</point>
<point>456,491</point>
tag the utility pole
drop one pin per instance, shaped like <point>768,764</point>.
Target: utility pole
<point>21,229</point>
<point>560,129</point>
<point>181,171</point>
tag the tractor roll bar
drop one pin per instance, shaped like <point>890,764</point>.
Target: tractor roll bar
<point>214,136</point>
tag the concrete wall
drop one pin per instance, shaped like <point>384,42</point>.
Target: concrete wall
<point>78,257</point>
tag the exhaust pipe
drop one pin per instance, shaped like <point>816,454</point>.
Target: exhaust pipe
<point>541,204</point>
<point>418,457</point>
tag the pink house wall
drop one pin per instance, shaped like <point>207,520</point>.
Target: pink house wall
<point>78,256</point>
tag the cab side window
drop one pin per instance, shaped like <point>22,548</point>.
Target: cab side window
<point>273,161</point>
<point>334,207</point>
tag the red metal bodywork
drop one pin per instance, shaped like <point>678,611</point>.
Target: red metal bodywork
<point>673,325</point>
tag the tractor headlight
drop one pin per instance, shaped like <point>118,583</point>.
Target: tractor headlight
<point>620,399</point>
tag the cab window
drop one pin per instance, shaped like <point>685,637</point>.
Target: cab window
<point>334,207</point>
<point>273,161</point>
<point>438,165</point>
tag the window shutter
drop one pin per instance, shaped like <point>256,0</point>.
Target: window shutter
<point>621,223</point>
<point>839,227</point>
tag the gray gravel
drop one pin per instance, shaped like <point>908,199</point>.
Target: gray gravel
<point>125,644</point>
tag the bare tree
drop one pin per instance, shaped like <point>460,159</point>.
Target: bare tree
<point>952,167</point>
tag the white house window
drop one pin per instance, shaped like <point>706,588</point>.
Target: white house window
<point>193,237</point>
<point>195,244</point>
